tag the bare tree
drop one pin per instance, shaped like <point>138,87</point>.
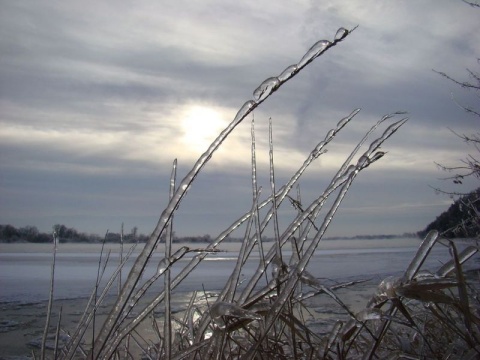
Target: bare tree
<point>470,165</point>
<point>467,221</point>
<point>463,217</point>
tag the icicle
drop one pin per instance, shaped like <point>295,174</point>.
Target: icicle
<point>265,89</point>
<point>316,50</point>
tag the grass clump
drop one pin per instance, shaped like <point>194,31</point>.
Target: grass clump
<point>419,315</point>
<point>265,317</point>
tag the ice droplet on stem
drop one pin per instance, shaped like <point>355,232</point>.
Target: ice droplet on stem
<point>244,110</point>
<point>317,49</point>
<point>288,73</point>
<point>179,253</point>
<point>363,161</point>
<point>341,34</point>
<point>266,88</point>
<point>374,145</point>
<point>319,149</point>
<point>330,134</point>
<point>319,146</point>
<point>162,266</point>
<point>345,120</point>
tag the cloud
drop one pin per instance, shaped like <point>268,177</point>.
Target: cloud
<point>115,90</point>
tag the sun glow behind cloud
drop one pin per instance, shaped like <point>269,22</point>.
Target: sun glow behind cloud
<point>200,125</point>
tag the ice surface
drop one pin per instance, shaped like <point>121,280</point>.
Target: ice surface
<point>25,277</point>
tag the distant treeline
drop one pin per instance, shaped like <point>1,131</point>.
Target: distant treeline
<point>30,234</point>
<point>9,234</point>
<point>461,220</point>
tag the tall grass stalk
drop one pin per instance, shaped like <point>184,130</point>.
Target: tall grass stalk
<point>255,194</point>
<point>57,334</point>
<point>121,259</point>
<point>261,93</point>
<point>167,333</point>
<point>50,297</point>
<point>100,271</point>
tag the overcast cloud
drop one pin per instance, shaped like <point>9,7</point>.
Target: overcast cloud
<point>98,98</point>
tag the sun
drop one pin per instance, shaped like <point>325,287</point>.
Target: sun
<point>200,126</point>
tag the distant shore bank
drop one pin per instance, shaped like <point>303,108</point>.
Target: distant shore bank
<point>225,246</point>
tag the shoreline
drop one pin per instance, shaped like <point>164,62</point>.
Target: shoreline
<point>8,248</point>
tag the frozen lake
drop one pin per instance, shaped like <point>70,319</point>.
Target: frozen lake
<point>25,269</point>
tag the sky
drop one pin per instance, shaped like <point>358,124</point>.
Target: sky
<point>97,99</point>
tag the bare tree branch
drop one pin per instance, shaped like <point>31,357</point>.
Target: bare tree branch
<point>463,84</point>
<point>471,3</point>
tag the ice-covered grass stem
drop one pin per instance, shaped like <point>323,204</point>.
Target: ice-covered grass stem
<point>167,330</point>
<point>264,90</point>
<point>50,297</point>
